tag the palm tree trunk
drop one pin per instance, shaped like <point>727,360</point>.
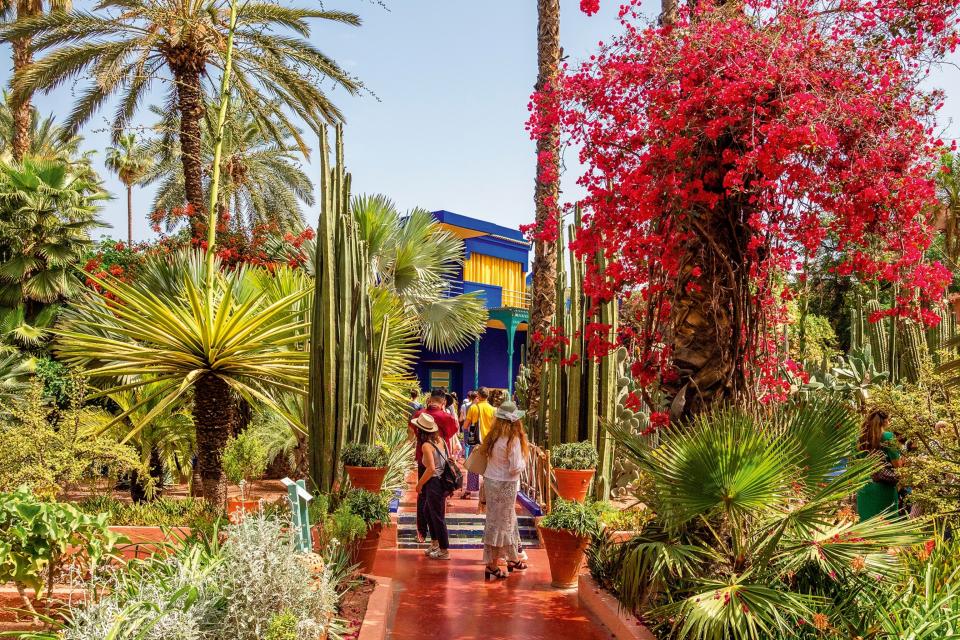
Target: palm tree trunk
<point>22,108</point>
<point>214,417</point>
<point>129,215</point>
<point>190,104</point>
<point>543,293</point>
<point>668,12</point>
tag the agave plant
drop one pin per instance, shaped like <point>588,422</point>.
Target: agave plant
<point>748,539</point>
<point>236,336</point>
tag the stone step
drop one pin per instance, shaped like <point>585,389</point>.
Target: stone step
<point>411,534</point>
<point>457,543</point>
<point>409,518</point>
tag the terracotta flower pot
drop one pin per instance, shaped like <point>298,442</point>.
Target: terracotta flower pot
<point>237,509</point>
<point>369,478</point>
<point>365,549</point>
<point>565,551</point>
<point>572,484</point>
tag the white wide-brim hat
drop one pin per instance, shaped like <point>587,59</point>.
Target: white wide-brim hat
<point>425,422</point>
<point>508,411</point>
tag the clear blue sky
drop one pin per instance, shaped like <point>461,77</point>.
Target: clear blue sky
<point>445,126</point>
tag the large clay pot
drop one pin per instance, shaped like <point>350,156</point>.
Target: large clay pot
<point>369,478</point>
<point>365,549</point>
<point>572,484</point>
<point>565,551</point>
<point>237,509</point>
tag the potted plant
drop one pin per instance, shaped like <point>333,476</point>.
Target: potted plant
<point>565,533</point>
<point>374,510</point>
<point>574,464</point>
<point>244,460</point>
<point>365,464</point>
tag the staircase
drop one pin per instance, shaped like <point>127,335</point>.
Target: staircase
<point>466,530</point>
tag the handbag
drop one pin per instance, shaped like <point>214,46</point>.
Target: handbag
<point>476,462</point>
<point>886,475</point>
<point>473,435</point>
<point>450,477</point>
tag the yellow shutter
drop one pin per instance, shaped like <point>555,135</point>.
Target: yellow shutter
<point>505,274</point>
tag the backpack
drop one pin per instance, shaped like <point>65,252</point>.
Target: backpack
<point>451,479</point>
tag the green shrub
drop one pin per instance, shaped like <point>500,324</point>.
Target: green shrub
<point>35,537</point>
<point>358,454</point>
<point>574,456</point>
<point>625,519</point>
<point>576,517</point>
<point>372,507</point>
<point>244,458</point>
<point>163,512</point>
<point>50,451</point>
<point>283,626</point>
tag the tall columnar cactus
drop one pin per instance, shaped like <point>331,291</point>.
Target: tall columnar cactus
<point>878,335</point>
<point>341,385</point>
<point>580,394</point>
<point>912,348</point>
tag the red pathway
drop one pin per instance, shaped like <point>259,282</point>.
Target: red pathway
<point>446,600</point>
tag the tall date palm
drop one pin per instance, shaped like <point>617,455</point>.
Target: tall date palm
<point>22,59</point>
<point>131,162</point>
<point>128,45</point>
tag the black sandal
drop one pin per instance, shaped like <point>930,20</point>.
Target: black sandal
<point>493,573</point>
<point>519,565</point>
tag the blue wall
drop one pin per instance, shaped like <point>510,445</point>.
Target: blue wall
<point>493,362</point>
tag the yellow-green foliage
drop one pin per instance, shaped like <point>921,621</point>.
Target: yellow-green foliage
<point>47,450</point>
<point>927,416</point>
<point>820,340</point>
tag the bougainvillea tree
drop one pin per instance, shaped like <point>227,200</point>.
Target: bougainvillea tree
<point>720,150</point>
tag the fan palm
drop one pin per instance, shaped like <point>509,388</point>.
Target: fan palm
<point>240,336</point>
<point>22,112</point>
<point>46,215</point>
<point>131,162</point>
<point>261,180</point>
<point>414,258</point>
<point>747,541</point>
<point>14,369</point>
<point>129,44</point>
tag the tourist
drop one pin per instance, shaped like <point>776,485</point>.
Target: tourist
<point>447,427</point>
<point>506,449</point>
<point>480,418</point>
<point>415,404</point>
<point>430,491</point>
<point>880,494</point>
<point>471,398</point>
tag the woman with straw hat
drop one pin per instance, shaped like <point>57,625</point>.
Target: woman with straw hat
<point>431,495</point>
<point>505,449</point>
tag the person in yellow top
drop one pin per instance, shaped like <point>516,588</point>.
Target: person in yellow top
<point>481,413</point>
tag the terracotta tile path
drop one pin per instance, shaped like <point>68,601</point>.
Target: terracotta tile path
<point>450,600</point>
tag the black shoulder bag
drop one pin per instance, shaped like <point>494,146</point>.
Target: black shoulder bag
<point>451,479</point>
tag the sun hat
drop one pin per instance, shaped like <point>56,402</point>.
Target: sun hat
<point>425,422</point>
<point>508,411</point>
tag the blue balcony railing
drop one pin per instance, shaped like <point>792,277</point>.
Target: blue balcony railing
<point>495,297</point>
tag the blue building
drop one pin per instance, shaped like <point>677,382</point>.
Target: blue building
<point>495,264</point>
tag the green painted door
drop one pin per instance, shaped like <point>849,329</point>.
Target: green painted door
<point>441,378</point>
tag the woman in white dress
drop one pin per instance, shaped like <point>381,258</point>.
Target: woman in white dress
<point>506,449</point>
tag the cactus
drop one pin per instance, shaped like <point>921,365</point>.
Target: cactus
<point>341,393</point>
<point>581,395</point>
<point>877,334</point>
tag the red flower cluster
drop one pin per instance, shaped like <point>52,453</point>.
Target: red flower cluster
<point>804,118</point>
<point>589,7</point>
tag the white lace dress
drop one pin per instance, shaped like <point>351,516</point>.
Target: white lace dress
<point>502,477</point>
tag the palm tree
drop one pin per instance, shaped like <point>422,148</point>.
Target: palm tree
<point>948,191</point>
<point>46,215</point>
<point>48,141</point>
<point>132,43</point>
<point>131,162</point>
<point>22,110</point>
<point>543,304</point>
<point>747,535</point>
<point>237,337</point>
<point>414,258</point>
<point>261,180</point>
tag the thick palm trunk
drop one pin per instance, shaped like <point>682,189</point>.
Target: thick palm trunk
<point>668,12</point>
<point>214,415</point>
<point>544,302</point>
<point>22,108</point>
<point>129,215</point>
<point>190,104</point>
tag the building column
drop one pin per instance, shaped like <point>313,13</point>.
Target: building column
<point>511,334</point>
<point>476,364</point>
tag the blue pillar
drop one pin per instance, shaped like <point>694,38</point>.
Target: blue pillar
<point>476,363</point>
<point>511,333</point>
